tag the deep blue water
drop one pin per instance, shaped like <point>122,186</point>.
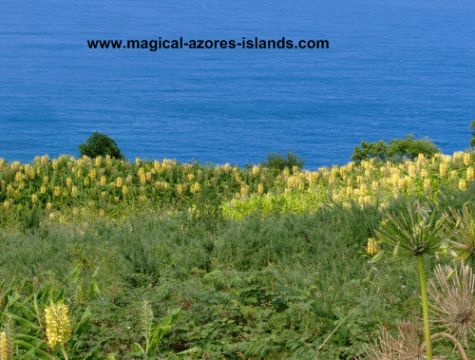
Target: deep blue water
<point>393,67</point>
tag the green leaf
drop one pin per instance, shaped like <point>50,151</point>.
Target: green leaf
<point>137,348</point>
<point>83,323</point>
<point>162,329</point>
<point>23,322</point>
<point>377,257</point>
<point>34,342</point>
<point>38,354</point>
<point>92,354</point>
<point>73,276</point>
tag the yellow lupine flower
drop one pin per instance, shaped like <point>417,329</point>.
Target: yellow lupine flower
<point>287,192</point>
<point>470,174</point>
<point>424,172</point>
<point>103,180</point>
<point>6,346</point>
<point>295,169</point>
<point>446,159</point>
<point>462,184</point>
<point>49,206</point>
<point>31,174</point>
<point>400,183</point>
<point>42,189</point>
<point>443,169</point>
<point>55,164</point>
<point>92,173</point>
<point>69,182</point>
<point>86,182</point>
<point>179,189</point>
<point>349,191</point>
<point>128,179</point>
<point>58,325</point>
<point>190,177</point>
<point>372,247</point>
<point>125,190</point>
<point>467,159</point>
<point>226,167</point>
<point>427,185</point>
<point>57,191</point>
<point>335,197</point>
<point>156,165</point>
<point>119,182</point>
<point>255,170</point>
<point>286,171</point>
<point>6,204</point>
<point>143,179</point>
<point>195,188</point>
<point>18,176</point>
<point>374,185</point>
<point>260,189</point>
<point>458,155</point>
<point>34,198</point>
<point>411,170</point>
<point>98,161</point>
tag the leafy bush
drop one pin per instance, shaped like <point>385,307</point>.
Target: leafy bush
<point>100,145</point>
<point>370,150</point>
<point>277,161</point>
<point>472,127</point>
<point>410,148</point>
<point>396,151</point>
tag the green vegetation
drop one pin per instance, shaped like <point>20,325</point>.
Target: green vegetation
<point>277,161</point>
<point>472,127</point>
<point>397,151</point>
<point>106,259</point>
<point>100,145</point>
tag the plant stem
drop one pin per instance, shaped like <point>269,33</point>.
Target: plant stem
<point>64,352</point>
<point>453,339</point>
<point>425,307</point>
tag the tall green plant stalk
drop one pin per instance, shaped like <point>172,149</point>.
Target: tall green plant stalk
<point>415,233</point>
<point>425,307</point>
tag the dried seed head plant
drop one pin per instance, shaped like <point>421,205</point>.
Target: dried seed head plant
<point>453,304</point>
<point>406,347</point>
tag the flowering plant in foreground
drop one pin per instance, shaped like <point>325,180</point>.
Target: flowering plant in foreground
<point>415,234</point>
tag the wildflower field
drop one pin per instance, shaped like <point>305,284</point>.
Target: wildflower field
<point>109,259</point>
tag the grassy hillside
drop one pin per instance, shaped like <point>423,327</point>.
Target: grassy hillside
<point>162,260</point>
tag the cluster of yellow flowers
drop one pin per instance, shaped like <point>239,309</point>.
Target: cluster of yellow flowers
<point>370,182</point>
<point>6,346</point>
<point>65,181</point>
<point>58,326</point>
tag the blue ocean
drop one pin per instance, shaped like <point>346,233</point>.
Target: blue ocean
<point>392,68</point>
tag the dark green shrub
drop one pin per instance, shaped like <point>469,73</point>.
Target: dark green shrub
<point>100,145</point>
<point>410,148</point>
<point>396,151</point>
<point>277,161</point>
<point>370,150</point>
<point>472,127</point>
